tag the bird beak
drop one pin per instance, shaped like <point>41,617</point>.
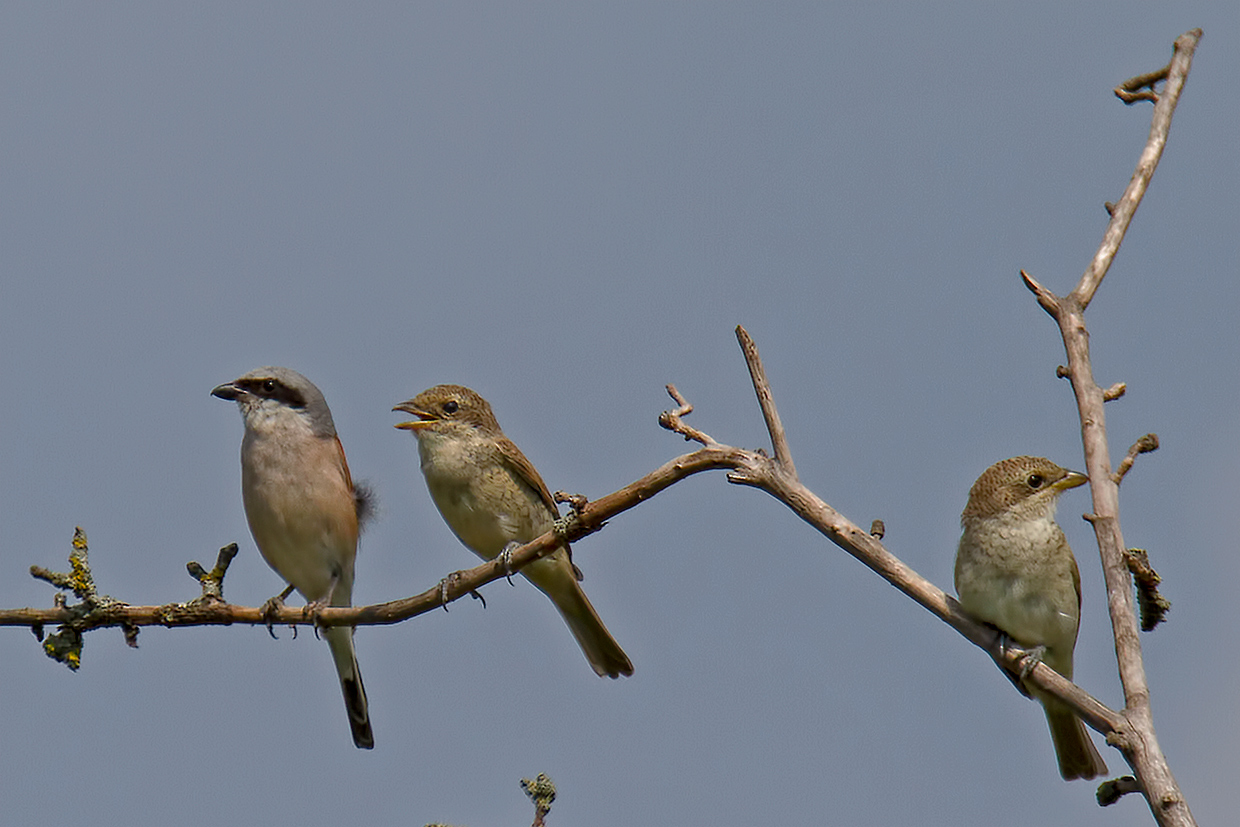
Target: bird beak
<point>424,419</point>
<point>228,391</point>
<point>1073,480</point>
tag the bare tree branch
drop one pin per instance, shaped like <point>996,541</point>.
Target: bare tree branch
<point>1176,72</point>
<point>779,439</point>
<point>753,468</point>
<point>1139,744</point>
<point>1130,730</point>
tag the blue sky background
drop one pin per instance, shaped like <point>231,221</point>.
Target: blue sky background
<point>566,206</point>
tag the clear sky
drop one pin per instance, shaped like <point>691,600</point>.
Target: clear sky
<point>566,206</point>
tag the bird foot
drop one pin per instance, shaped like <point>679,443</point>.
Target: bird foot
<point>505,557</point>
<point>1029,658</point>
<point>444,585</point>
<point>271,608</point>
<point>314,611</point>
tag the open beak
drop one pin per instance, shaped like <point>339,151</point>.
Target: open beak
<point>1073,480</point>
<point>228,391</point>
<point>424,419</point>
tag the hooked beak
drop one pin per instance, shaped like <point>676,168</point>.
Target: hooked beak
<point>424,419</point>
<point>1073,480</point>
<point>228,391</point>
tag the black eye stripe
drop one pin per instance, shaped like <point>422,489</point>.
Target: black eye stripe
<point>271,388</point>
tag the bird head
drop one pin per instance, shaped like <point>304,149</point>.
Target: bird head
<point>446,410</point>
<point>1022,486</point>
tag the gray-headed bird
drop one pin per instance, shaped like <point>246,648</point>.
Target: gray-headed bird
<point>302,506</point>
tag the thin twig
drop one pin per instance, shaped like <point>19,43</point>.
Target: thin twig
<point>212,582</point>
<point>1144,445</point>
<point>1130,91</point>
<point>1176,72</point>
<point>674,420</point>
<point>1114,392</point>
<point>1111,791</point>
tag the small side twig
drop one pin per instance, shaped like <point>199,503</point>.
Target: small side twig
<point>1141,88</point>
<point>1111,791</point>
<point>576,502</point>
<point>65,644</point>
<point>1144,445</point>
<point>1050,303</point>
<point>212,582</point>
<point>79,578</point>
<point>1154,606</point>
<point>762,388</point>
<point>542,792</point>
<point>674,420</point>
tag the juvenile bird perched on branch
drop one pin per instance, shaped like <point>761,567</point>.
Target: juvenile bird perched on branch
<point>302,506</point>
<point>492,498</point>
<point>1015,571</point>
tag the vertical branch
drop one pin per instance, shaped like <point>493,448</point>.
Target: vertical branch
<point>1139,741</point>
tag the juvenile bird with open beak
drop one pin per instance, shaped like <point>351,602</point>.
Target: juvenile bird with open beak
<point>492,498</point>
<point>302,506</point>
<point>1015,571</point>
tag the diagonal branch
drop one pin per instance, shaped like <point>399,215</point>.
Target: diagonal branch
<point>866,547</point>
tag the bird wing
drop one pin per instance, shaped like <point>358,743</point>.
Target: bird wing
<point>525,471</point>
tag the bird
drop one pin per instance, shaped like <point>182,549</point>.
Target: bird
<point>304,511</point>
<point>1015,571</point>
<point>493,499</point>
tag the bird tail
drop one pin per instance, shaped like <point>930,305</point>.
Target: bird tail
<point>554,576</point>
<point>340,639</point>
<point>1073,747</point>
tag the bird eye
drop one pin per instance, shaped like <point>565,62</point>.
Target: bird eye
<point>269,385</point>
<point>450,407</point>
<point>1035,480</point>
